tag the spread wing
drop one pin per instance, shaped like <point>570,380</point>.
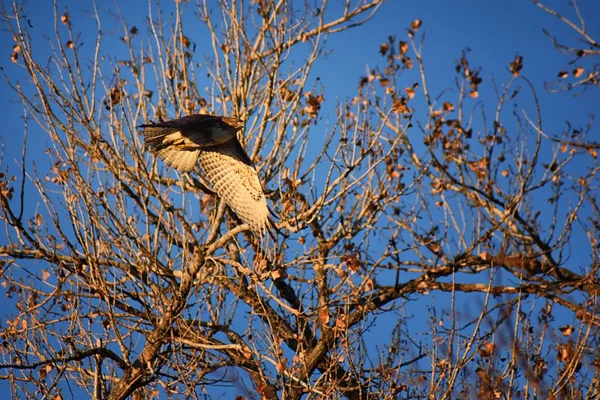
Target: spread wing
<point>178,142</point>
<point>232,175</point>
<point>211,142</point>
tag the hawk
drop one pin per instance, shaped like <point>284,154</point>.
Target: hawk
<point>211,141</point>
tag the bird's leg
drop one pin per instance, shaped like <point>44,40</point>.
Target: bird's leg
<point>216,222</point>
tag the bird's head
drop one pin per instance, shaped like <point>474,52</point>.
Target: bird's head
<point>235,123</point>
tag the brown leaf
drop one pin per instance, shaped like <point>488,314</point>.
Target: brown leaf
<point>14,57</point>
<point>592,152</point>
<point>567,330</point>
<point>448,106</point>
<point>410,92</point>
<point>403,47</point>
<point>313,104</point>
<point>563,74</point>
<point>487,349</point>
<point>474,94</point>
<point>45,275</point>
<point>341,322</point>
<point>247,352</point>
<point>564,353</point>
<point>384,48</point>
<point>516,66</point>
<point>399,106</point>
<point>577,72</point>
<point>115,97</point>
<point>280,367</point>
<point>384,82</point>
<point>324,316</point>
<point>70,44</point>
<point>352,261</point>
<point>415,25</point>
<point>185,41</point>
<point>65,18</point>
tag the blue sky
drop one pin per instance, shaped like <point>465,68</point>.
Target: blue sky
<point>495,31</point>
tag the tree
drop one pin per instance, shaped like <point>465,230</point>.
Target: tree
<point>129,279</point>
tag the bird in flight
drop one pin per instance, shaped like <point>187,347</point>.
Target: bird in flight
<point>211,142</point>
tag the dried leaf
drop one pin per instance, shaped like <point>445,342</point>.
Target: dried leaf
<point>65,18</point>
<point>563,74</point>
<point>567,330</point>
<point>577,72</point>
<point>280,367</point>
<point>516,66</point>
<point>415,25</point>
<point>474,94</point>
<point>399,106</point>
<point>45,275</point>
<point>341,322</point>
<point>564,353</point>
<point>247,352</point>
<point>487,349</point>
<point>403,46</point>
<point>313,104</point>
<point>448,106</point>
<point>324,316</point>
<point>384,48</point>
<point>185,41</point>
<point>70,44</point>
